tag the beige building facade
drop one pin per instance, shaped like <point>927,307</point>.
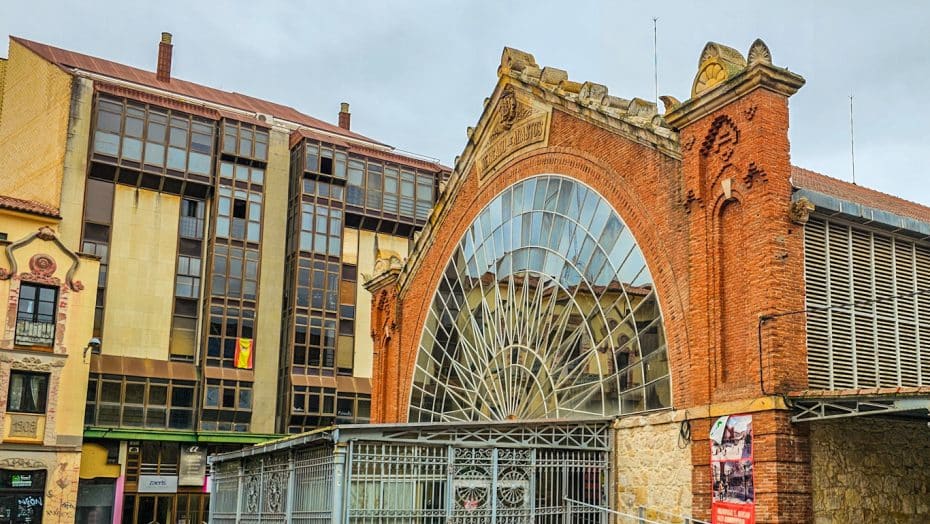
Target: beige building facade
<point>172,221</point>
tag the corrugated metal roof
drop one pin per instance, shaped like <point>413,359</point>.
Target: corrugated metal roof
<point>806,179</point>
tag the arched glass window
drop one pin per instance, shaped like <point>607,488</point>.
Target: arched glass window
<point>546,309</point>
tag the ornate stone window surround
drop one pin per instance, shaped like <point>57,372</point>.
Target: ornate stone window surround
<point>42,363</point>
<point>42,268</point>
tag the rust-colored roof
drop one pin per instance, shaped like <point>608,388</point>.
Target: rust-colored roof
<point>806,179</point>
<point>69,59</point>
<point>28,206</point>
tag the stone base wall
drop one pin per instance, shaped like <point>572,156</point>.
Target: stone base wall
<point>870,470</point>
<point>653,466</point>
<point>61,484</point>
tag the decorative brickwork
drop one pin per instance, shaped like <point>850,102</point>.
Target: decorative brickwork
<point>715,223</point>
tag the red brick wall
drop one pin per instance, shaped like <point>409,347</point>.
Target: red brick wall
<point>715,232</point>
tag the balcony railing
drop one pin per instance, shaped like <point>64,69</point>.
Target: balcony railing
<point>29,333</point>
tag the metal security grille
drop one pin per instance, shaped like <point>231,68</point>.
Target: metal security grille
<point>498,473</point>
<point>403,483</point>
<point>881,344</point>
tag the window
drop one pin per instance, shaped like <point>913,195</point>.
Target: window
<point>163,139</point>
<point>98,211</point>
<point>235,272</point>
<point>188,279</point>
<point>313,407</point>
<point>424,195</point>
<point>28,392</point>
<point>239,214</point>
<point>227,326</point>
<point>322,189</point>
<point>227,405</point>
<point>549,251</point>
<point>321,229</point>
<point>118,401</point>
<point>355,186</point>
<point>407,181</point>
<point>183,342</point>
<point>230,172</point>
<point>192,219</point>
<point>318,285</point>
<point>391,189</point>
<point>35,315</point>
<point>245,141</point>
<point>325,160</point>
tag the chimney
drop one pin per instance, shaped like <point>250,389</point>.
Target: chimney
<point>344,116</point>
<point>163,71</point>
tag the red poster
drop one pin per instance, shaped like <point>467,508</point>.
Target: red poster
<point>731,465</point>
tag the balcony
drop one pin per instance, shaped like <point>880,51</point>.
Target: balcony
<point>30,333</point>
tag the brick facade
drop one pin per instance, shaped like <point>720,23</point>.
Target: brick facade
<point>713,224</point>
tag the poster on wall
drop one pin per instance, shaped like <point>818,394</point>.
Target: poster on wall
<point>731,466</point>
<point>193,466</point>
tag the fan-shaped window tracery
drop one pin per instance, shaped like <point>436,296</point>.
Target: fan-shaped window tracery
<point>546,309</point>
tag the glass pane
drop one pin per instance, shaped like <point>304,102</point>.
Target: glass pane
<point>564,281</point>
<point>106,143</point>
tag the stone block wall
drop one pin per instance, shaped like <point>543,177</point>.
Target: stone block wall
<point>870,470</point>
<point>652,465</point>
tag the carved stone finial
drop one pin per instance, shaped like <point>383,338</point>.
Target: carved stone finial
<point>591,92</point>
<point>670,102</point>
<point>516,60</point>
<point>45,233</point>
<point>553,76</point>
<point>718,64</point>
<point>759,53</point>
<point>800,210</point>
<point>642,108</point>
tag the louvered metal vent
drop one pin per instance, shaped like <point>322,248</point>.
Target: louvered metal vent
<point>885,344</point>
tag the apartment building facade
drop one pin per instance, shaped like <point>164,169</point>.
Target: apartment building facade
<point>230,234</point>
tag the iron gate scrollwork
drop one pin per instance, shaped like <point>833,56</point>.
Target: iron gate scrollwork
<point>487,485</point>
<point>464,473</point>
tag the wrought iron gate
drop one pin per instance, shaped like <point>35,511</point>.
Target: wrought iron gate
<point>488,474</point>
<point>498,473</point>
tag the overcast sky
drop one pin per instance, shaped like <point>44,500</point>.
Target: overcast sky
<point>416,73</point>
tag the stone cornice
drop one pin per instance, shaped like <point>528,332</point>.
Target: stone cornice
<point>382,280</point>
<point>758,75</point>
<point>635,119</point>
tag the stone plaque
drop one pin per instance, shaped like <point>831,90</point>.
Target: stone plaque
<point>24,426</point>
<point>515,125</point>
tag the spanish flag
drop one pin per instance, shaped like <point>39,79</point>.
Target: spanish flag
<point>244,353</point>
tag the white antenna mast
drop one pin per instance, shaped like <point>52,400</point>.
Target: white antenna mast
<point>655,55</point>
<point>852,140</point>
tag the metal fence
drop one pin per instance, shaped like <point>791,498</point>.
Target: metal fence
<point>503,473</point>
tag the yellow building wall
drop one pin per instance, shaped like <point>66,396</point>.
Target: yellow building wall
<point>271,284</point>
<point>79,329</point>
<point>74,174</point>
<point>140,284</point>
<point>364,349</point>
<point>34,127</point>
<point>69,403</point>
<point>2,78</point>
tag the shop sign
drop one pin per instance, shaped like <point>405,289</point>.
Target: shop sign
<point>193,466</point>
<point>158,484</point>
<point>21,480</point>
<point>732,471</point>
